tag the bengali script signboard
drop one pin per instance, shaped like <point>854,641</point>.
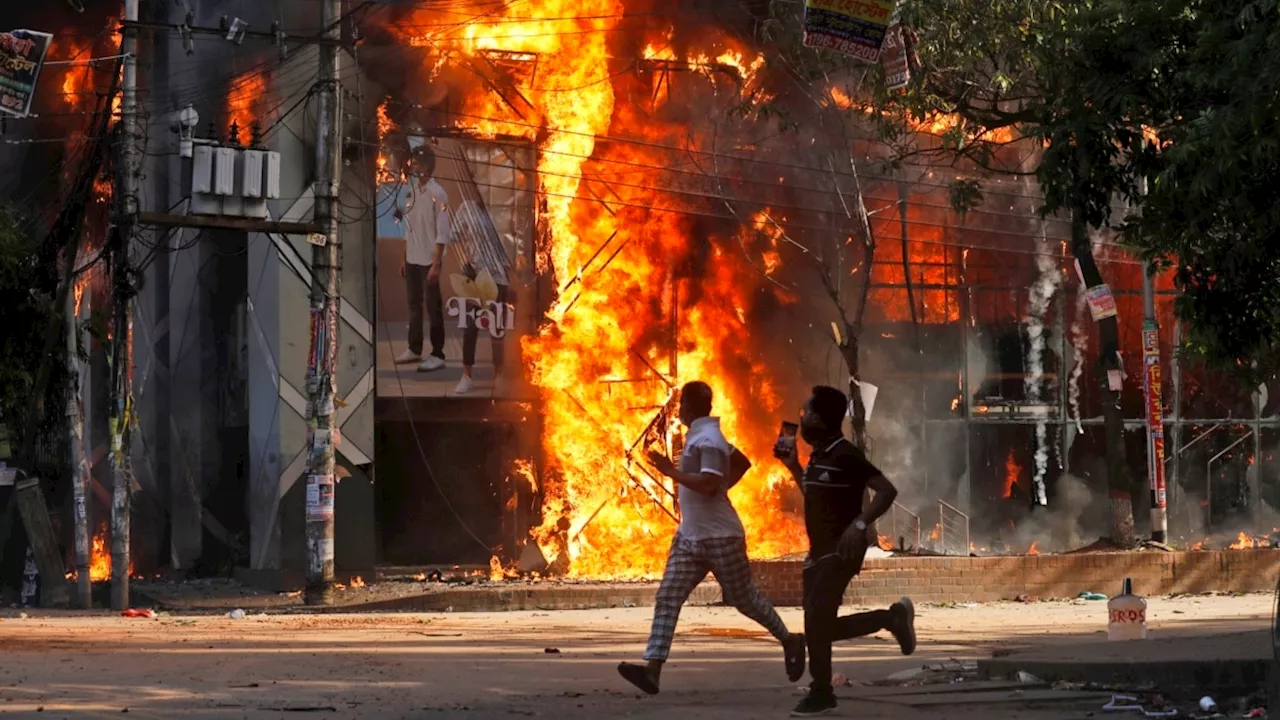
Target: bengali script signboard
<point>22,55</point>
<point>853,27</point>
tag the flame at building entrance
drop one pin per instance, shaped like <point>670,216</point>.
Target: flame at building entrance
<point>647,294</point>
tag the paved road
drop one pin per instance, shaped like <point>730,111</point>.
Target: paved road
<point>495,665</point>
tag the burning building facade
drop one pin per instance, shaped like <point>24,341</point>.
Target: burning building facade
<point>654,201</point>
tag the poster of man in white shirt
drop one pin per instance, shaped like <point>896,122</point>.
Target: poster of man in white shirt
<point>458,227</point>
<point>427,230</point>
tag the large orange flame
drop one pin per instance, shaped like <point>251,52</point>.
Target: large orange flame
<point>609,357</point>
<point>245,100</point>
<point>631,324</point>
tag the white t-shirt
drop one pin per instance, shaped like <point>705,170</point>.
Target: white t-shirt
<point>703,517</point>
<point>426,220</point>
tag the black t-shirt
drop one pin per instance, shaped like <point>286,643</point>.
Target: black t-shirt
<point>834,484</point>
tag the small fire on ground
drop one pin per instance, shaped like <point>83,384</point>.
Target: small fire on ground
<point>100,558</point>
<point>1242,541</point>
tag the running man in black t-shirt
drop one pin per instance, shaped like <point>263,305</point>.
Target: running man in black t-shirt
<point>834,484</point>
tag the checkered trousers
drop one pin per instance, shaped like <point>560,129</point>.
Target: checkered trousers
<point>687,565</point>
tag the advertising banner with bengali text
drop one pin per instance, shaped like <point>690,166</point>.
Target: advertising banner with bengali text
<point>852,27</point>
<point>22,54</point>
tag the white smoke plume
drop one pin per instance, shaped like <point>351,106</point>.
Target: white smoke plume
<point>1080,346</point>
<point>1042,291</point>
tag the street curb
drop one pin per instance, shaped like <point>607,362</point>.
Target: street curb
<point>500,599</point>
<point>1179,679</point>
<point>488,598</point>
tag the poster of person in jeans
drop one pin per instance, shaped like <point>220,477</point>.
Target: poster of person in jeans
<point>481,289</point>
<point>459,220</point>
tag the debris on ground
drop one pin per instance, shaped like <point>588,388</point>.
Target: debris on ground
<point>146,613</point>
<point>552,651</point>
<point>1089,595</point>
<point>236,614</point>
<point>1026,677</point>
<point>1026,599</point>
<point>1153,707</point>
<point>953,671</point>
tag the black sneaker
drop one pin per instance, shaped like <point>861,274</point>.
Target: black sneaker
<point>815,705</point>
<point>794,654</point>
<point>904,625</point>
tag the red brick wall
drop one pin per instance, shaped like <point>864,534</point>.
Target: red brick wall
<point>984,579</point>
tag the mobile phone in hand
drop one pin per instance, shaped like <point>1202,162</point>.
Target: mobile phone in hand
<point>785,447</point>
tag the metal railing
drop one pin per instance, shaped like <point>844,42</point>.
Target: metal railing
<point>953,530</point>
<point>1208,478</point>
<point>904,524</point>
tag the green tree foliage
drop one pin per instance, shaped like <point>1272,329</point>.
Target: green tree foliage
<point>1182,93</point>
<point>1214,205</point>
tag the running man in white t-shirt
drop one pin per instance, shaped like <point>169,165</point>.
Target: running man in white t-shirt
<point>427,232</point>
<point>710,539</point>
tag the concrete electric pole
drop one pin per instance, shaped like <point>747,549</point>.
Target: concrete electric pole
<point>127,173</point>
<point>79,462</point>
<point>326,270</point>
<point>1154,403</point>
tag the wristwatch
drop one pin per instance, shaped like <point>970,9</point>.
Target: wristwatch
<point>861,525</point>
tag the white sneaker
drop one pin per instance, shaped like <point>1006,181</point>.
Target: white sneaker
<point>464,386</point>
<point>430,363</point>
<point>408,357</point>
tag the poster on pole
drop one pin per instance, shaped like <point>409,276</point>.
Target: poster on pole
<point>1155,432</point>
<point>22,54</point>
<point>852,27</point>
<point>898,56</point>
<point>1102,304</point>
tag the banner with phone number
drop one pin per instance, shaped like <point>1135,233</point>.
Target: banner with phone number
<point>853,27</point>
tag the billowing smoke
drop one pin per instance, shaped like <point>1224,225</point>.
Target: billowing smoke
<point>1078,519</point>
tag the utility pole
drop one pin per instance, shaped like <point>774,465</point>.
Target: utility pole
<point>326,271</point>
<point>1155,410</point>
<point>79,463</point>
<point>1155,405</point>
<point>122,410</point>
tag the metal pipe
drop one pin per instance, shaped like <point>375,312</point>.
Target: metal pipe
<point>1198,438</point>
